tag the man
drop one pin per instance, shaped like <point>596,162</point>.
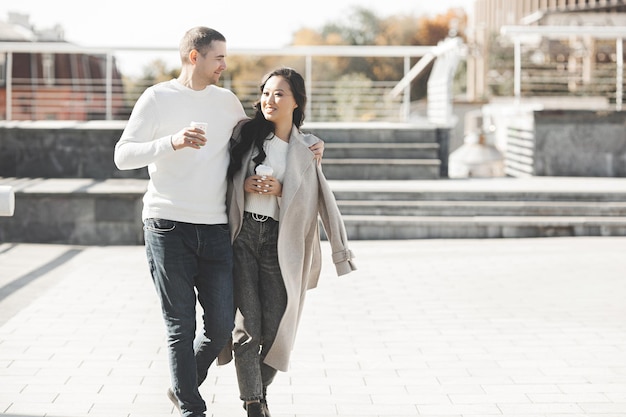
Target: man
<point>185,223</point>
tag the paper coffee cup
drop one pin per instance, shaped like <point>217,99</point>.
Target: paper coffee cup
<point>200,125</point>
<point>264,170</point>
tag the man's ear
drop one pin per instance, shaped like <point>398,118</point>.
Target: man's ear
<point>193,56</point>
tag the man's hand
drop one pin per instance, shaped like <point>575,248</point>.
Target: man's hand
<point>318,150</point>
<point>189,137</point>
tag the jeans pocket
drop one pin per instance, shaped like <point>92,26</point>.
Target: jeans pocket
<point>159,225</point>
<point>223,227</point>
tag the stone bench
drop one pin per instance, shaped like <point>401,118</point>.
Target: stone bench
<point>75,211</point>
<point>108,212</point>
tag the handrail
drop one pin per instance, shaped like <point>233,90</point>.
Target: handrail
<point>450,44</point>
<point>440,101</point>
<point>313,50</point>
<point>519,34</point>
<point>600,32</point>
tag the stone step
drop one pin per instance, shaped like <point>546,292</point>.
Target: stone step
<point>545,189</point>
<point>379,169</point>
<point>108,212</point>
<point>481,208</point>
<point>375,132</point>
<point>478,227</point>
<point>381,150</point>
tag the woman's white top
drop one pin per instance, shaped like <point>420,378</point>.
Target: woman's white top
<point>263,204</point>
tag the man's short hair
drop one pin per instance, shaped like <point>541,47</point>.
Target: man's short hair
<point>198,38</point>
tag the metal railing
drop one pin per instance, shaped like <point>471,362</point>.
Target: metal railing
<point>107,98</point>
<point>578,72</point>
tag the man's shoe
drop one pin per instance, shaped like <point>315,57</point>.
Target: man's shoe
<point>173,398</point>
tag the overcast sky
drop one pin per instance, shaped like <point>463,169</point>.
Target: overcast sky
<point>245,23</point>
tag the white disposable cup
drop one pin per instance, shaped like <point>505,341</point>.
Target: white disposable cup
<point>200,125</point>
<point>264,170</point>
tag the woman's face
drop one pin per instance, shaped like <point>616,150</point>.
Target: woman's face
<point>277,101</point>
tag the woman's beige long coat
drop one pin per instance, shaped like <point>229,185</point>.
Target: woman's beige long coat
<point>306,197</point>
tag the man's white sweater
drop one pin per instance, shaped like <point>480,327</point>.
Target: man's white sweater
<point>187,185</point>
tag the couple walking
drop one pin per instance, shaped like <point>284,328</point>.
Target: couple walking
<point>245,246</point>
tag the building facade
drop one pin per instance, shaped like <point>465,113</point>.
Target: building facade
<point>58,84</point>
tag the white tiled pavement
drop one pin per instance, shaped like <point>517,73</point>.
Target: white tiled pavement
<point>441,328</point>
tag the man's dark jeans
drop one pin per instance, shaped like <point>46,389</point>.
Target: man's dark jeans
<point>185,258</point>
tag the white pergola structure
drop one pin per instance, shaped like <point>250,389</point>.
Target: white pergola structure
<point>520,34</point>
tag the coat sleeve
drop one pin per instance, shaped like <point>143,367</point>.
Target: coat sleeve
<point>334,227</point>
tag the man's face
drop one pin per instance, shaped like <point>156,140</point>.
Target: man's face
<point>210,66</point>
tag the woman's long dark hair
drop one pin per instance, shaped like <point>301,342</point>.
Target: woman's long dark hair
<point>256,130</point>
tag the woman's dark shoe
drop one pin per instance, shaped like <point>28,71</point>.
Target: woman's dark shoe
<point>255,409</point>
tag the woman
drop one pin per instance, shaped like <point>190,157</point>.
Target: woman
<point>275,232</point>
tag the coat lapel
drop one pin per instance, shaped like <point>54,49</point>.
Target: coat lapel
<point>299,160</point>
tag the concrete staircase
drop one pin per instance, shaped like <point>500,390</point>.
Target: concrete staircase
<point>380,151</point>
<point>488,208</point>
<point>69,191</point>
<point>390,182</point>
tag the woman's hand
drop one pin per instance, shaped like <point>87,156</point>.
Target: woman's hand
<point>267,185</point>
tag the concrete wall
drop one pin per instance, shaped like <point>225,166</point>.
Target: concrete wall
<point>61,150</point>
<point>580,143</point>
<point>560,142</point>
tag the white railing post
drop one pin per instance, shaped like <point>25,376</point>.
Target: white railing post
<point>9,87</point>
<point>517,69</point>
<point>619,77</point>
<point>406,102</point>
<point>109,86</point>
